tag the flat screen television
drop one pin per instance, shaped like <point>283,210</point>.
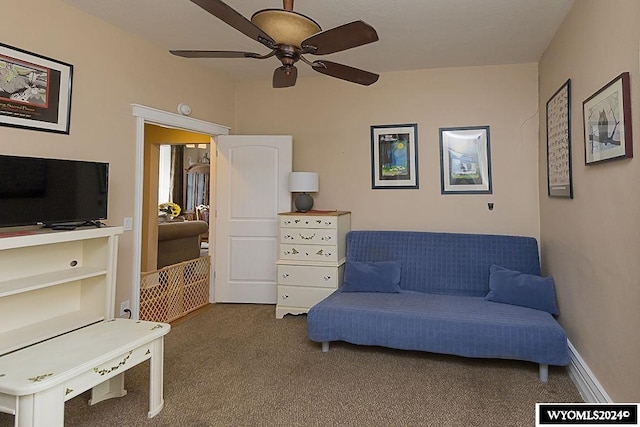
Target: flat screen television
<point>52,192</point>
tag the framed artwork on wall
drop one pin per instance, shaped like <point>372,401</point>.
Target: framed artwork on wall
<point>465,160</point>
<point>559,177</point>
<point>394,156</point>
<point>607,122</point>
<point>35,91</point>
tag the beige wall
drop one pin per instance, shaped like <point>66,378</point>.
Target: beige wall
<point>591,244</point>
<point>112,70</point>
<point>330,122</point>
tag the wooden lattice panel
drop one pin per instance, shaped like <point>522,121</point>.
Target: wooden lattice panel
<point>175,290</point>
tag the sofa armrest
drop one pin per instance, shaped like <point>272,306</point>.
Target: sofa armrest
<point>177,230</point>
<point>179,241</point>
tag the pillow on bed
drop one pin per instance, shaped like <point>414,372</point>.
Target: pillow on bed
<point>527,290</point>
<point>380,276</point>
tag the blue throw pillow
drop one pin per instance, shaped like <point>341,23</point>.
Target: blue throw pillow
<point>527,290</point>
<point>380,276</point>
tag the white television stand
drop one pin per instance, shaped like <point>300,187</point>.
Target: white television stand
<point>57,307</point>
<point>54,282</point>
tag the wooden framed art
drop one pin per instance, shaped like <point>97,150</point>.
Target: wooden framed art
<point>559,176</point>
<point>394,156</point>
<point>607,122</point>
<point>35,91</point>
<point>465,160</point>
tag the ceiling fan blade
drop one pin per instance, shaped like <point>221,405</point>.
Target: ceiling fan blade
<point>347,36</point>
<point>345,72</point>
<point>230,16</point>
<point>214,54</point>
<point>285,76</point>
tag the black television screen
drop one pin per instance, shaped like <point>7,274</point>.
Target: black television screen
<point>51,191</point>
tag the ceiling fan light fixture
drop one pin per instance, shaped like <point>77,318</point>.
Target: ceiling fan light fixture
<point>285,27</point>
<point>284,32</point>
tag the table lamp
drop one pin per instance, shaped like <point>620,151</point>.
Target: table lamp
<point>303,182</point>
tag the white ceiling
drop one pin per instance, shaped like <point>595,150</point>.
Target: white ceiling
<point>414,34</point>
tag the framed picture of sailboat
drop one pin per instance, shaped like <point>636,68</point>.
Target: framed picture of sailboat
<point>465,160</point>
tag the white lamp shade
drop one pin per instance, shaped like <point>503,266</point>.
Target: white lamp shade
<point>303,182</point>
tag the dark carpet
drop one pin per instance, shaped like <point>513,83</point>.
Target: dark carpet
<point>237,365</point>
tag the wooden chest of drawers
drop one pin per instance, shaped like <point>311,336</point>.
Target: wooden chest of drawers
<point>311,260</point>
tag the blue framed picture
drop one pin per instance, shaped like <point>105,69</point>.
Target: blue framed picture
<point>465,160</point>
<point>394,156</point>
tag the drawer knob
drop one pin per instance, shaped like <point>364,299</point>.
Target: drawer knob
<point>327,278</point>
<point>285,296</point>
<point>288,237</point>
<point>285,275</point>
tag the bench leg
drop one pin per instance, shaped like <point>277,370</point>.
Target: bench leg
<point>45,408</point>
<point>156,400</point>
<point>325,346</point>
<point>113,387</point>
<point>24,411</point>
<point>543,372</point>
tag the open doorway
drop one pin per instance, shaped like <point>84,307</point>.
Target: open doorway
<point>250,190</point>
<point>145,220</point>
<point>176,186</point>
<point>175,269</point>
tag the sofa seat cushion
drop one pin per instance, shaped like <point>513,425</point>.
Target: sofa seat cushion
<point>459,325</point>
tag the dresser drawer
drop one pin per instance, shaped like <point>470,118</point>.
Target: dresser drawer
<point>309,236</point>
<point>304,275</point>
<point>293,296</point>
<point>297,252</point>
<point>308,221</point>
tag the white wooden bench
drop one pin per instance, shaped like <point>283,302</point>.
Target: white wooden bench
<point>37,380</point>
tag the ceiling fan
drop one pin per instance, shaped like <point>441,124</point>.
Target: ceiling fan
<point>290,35</point>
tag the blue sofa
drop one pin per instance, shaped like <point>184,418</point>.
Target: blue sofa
<point>442,301</point>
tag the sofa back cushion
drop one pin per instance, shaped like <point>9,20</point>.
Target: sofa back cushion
<point>527,290</point>
<point>445,263</point>
<point>377,276</point>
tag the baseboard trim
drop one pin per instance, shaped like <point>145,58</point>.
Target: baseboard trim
<point>587,383</point>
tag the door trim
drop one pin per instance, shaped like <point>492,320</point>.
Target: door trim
<point>154,116</point>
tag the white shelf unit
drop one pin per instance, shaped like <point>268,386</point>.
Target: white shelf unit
<point>54,282</point>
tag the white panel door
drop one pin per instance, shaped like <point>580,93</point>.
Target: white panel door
<point>251,189</point>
